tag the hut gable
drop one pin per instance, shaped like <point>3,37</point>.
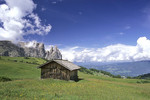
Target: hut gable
<point>59,69</point>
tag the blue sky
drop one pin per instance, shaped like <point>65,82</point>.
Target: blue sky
<point>84,30</point>
<point>93,23</point>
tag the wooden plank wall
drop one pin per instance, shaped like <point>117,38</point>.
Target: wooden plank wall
<point>74,75</point>
<point>56,71</point>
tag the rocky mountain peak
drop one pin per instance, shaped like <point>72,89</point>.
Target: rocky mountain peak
<point>51,50</point>
<point>33,49</point>
<point>54,53</point>
<point>28,49</point>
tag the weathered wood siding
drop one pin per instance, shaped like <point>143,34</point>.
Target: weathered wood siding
<point>74,75</point>
<point>56,71</point>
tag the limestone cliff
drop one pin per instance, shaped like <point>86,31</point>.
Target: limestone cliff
<point>28,49</point>
<point>54,53</point>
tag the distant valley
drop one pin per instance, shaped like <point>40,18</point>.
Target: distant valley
<point>124,69</point>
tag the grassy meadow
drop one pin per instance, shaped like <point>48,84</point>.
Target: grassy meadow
<point>27,85</point>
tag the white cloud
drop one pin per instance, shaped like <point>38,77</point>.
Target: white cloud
<point>31,44</point>
<point>112,53</point>
<point>25,6</point>
<point>18,19</point>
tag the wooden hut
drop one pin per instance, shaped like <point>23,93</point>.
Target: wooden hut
<point>59,69</point>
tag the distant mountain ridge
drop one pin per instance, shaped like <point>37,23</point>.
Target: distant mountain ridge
<point>128,68</point>
<point>123,68</point>
<point>26,49</point>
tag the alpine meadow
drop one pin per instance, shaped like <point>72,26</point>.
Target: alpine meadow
<point>74,49</point>
<point>20,79</point>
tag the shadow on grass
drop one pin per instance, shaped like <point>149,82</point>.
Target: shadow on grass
<point>79,79</point>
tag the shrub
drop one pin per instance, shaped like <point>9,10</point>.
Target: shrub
<point>15,60</point>
<point>94,70</point>
<point>4,79</point>
<point>117,76</point>
<point>143,81</point>
<point>85,70</point>
<point>107,73</point>
<point>21,60</point>
<point>129,77</point>
<point>26,57</point>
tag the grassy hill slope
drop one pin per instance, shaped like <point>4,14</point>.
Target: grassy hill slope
<point>20,67</point>
<point>27,85</point>
<point>144,76</point>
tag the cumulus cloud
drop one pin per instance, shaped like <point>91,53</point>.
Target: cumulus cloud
<point>112,53</point>
<point>17,20</point>
<point>31,44</point>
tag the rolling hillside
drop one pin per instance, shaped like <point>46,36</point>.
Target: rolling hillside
<point>144,76</point>
<point>27,85</point>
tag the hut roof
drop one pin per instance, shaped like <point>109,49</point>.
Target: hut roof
<point>65,63</point>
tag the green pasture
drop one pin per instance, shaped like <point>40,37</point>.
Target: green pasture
<point>26,84</point>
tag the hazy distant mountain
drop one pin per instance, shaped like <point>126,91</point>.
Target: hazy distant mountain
<point>28,49</point>
<point>124,69</point>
